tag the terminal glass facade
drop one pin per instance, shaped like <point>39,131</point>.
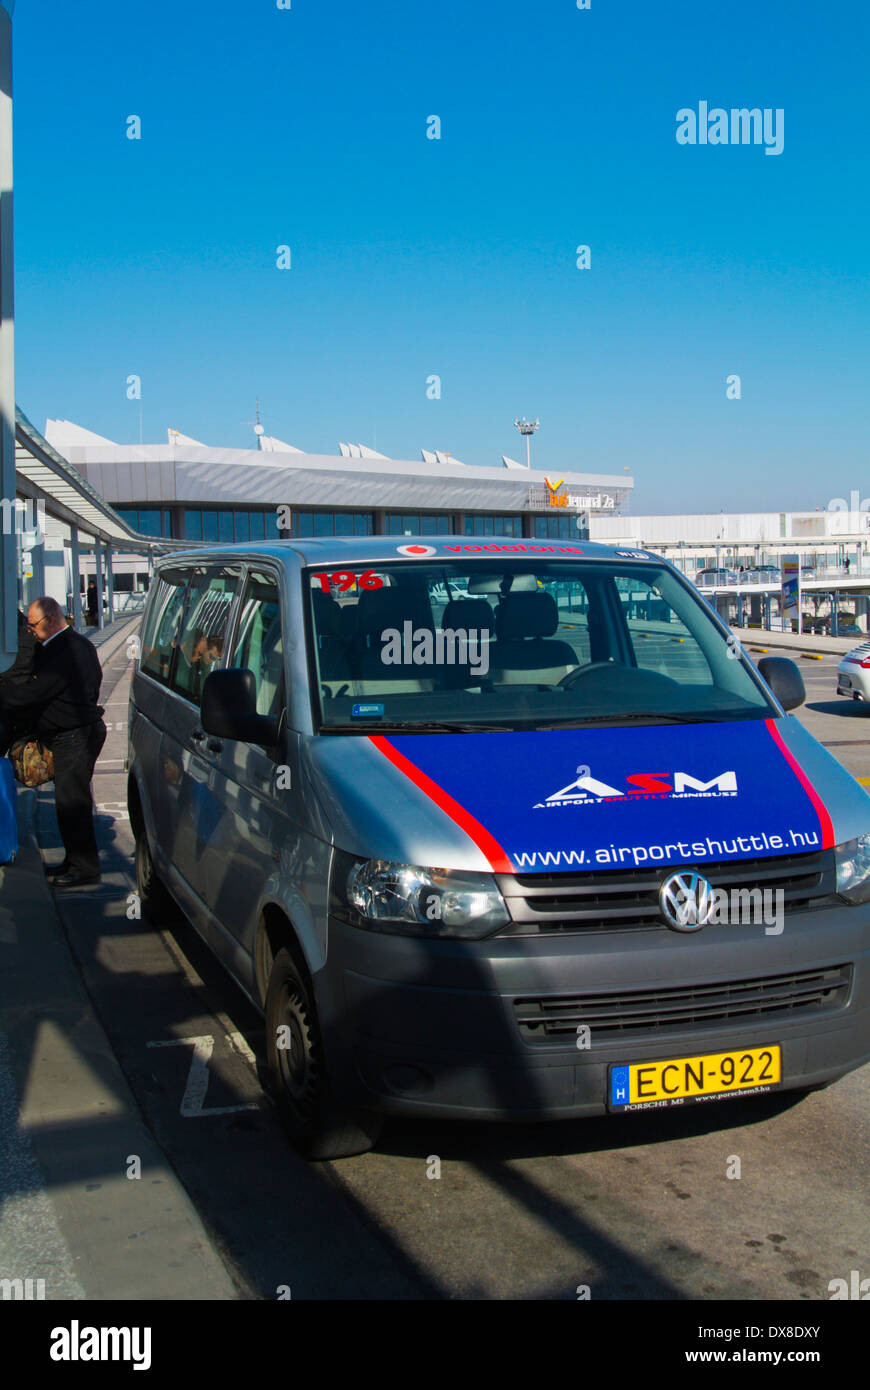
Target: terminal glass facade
<point>148,521</point>
<point>557,528</point>
<point>224,525</point>
<point>493,525</point>
<point>333,524</point>
<point>418,524</point>
<point>228,527</point>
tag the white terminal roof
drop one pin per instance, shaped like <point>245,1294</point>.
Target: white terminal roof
<point>197,474</point>
<point>71,498</point>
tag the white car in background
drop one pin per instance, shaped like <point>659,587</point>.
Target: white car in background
<point>853,673</point>
<point>443,593</point>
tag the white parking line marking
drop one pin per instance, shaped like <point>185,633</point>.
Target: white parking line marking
<point>197,1078</point>
<point>240,1045</point>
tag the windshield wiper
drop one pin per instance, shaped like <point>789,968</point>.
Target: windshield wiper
<point>629,718</point>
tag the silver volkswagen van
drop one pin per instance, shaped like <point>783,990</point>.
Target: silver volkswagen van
<point>504,830</point>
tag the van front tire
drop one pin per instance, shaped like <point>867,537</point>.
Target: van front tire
<point>318,1127</point>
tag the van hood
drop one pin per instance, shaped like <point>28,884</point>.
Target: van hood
<point>584,799</point>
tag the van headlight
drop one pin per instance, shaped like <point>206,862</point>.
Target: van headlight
<point>414,901</point>
<point>853,869</point>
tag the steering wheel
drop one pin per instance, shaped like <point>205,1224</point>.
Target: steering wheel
<point>574,676</point>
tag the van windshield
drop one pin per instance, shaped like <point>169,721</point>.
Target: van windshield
<point>519,643</point>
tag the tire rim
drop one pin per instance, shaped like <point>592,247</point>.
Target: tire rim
<point>146,868</point>
<point>296,1063</point>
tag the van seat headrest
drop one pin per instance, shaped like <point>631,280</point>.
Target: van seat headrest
<point>526,615</point>
<point>391,607</point>
<point>470,614</point>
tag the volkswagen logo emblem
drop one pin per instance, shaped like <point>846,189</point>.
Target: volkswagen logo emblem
<point>686,900</point>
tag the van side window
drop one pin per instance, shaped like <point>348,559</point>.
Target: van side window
<point>162,626</point>
<point>201,644</point>
<point>259,645</point>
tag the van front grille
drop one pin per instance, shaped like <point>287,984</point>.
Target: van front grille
<point>644,1014</point>
<point>628,899</point>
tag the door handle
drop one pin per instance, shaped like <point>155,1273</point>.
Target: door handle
<point>214,745</point>
<point>197,736</point>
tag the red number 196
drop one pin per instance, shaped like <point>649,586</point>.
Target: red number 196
<point>345,579</point>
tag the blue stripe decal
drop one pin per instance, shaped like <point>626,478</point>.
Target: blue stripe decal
<point>589,799</point>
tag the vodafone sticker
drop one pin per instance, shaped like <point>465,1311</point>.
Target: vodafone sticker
<point>416,550</point>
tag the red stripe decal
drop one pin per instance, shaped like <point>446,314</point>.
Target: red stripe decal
<point>485,842</point>
<point>819,805</point>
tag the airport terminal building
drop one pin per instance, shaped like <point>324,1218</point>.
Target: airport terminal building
<point>110,508</point>
<point>188,491</point>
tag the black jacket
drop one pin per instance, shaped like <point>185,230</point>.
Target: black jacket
<point>64,689</point>
<point>22,667</point>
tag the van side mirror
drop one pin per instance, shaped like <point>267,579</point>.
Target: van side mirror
<point>784,679</point>
<point>228,709</point>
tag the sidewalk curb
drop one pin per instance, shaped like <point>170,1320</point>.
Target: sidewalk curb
<point>752,637</point>
<point>129,1238</point>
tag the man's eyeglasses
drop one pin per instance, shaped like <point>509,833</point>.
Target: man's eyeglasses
<point>31,627</point>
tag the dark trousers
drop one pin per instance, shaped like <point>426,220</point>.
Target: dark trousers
<point>75,752</point>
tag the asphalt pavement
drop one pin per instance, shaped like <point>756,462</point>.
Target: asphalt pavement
<point>90,1208</point>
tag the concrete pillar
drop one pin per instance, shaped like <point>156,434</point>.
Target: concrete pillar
<point>75,567</point>
<point>98,575</point>
<point>110,585</point>
<point>37,564</point>
<point>9,550</point>
<point>54,569</point>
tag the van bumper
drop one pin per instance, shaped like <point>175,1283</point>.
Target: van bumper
<point>431,1028</point>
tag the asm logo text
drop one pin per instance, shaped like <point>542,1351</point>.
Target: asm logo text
<point>589,789</point>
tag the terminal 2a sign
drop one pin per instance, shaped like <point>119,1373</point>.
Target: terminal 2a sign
<point>556,497</point>
<point>553,494</point>
<point>790,597</point>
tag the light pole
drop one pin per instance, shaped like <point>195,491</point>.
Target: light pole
<point>8,542</point>
<point>527,428</point>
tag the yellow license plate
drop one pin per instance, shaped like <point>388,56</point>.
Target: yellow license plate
<point>712,1076</point>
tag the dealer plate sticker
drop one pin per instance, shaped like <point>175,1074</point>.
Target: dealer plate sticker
<point>680,1080</point>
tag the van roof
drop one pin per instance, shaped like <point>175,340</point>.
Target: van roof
<point>356,549</point>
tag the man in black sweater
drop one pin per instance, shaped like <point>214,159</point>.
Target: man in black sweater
<point>60,700</point>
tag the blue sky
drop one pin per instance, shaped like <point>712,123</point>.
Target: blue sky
<point>412,257</point>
